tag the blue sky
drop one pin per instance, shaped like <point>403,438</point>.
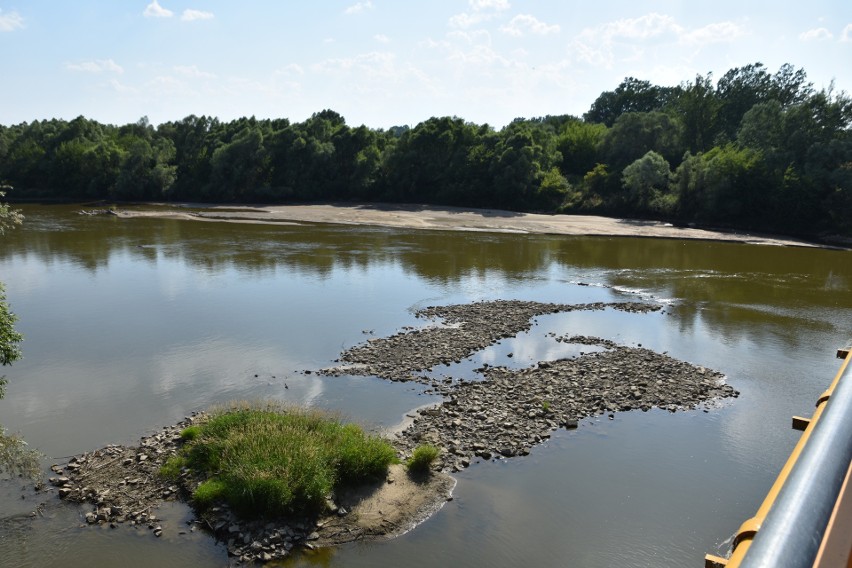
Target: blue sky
<point>384,63</point>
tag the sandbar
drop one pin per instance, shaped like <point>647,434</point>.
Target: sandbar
<point>430,217</point>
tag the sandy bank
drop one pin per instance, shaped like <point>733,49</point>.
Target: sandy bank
<point>455,219</point>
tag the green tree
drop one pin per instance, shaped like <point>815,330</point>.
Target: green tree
<point>552,191</point>
<point>762,127</point>
<point>524,154</point>
<point>737,91</point>
<point>597,182</point>
<point>698,107</point>
<point>726,185</point>
<point>146,171</point>
<point>239,168</point>
<point>9,338</point>
<point>193,139</point>
<point>579,143</point>
<point>8,217</point>
<point>635,133</point>
<point>632,95</point>
<point>646,180</point>
<point>15,457</point>
<point>429,163</point>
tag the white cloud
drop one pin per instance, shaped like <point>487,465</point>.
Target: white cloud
<point>623,39</point>
<point>381,38</point>
<point>483,10</point>
<point>846,35</point>
<point>375,76</point>
<point>465,20</point>
<point>481,57</point>
<point>192,15</point>
<point>10,21</point>
<point>154,10</point>
<point>498,5</point>
<point>291,69</point>
<point>721,32</point>
<point>97,66</point>
<point>166,85</point>
<point>358,8</point>
<point>374,62</point>
<point>193,72</point>
<point>642,28</point>
<point>816,34</point>
<point>597,46</point>
<point>526,23</point>
<point>121,87</point>
<point>473,37</point>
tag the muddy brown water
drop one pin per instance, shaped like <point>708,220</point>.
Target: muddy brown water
<point>132,324</point>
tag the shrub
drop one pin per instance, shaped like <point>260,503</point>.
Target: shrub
<point>422,458</point>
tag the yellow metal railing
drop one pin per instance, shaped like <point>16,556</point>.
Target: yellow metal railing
<point>748,530</point>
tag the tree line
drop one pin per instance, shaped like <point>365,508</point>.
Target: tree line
<point>754,150</point>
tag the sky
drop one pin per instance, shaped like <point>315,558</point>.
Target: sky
<point>384,63</point>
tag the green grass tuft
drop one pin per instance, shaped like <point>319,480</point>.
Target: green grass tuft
<point>173,466</point>
<point>422,458</point>
<point>209,493</point>
<point>265,460</point>
<point>190,433</point>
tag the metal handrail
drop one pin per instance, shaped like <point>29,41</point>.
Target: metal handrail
<point>790,526</point>
<point>793,530</point>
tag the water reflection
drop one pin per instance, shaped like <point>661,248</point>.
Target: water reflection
<point>700,271</point>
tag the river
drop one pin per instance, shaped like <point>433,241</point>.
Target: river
<point>132,324</point>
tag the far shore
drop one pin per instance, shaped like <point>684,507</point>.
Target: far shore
<point>430,217</point>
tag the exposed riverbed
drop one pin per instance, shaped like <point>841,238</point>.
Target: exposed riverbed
<point>500,416</point>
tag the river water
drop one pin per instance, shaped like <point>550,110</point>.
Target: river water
<point>132,324</point>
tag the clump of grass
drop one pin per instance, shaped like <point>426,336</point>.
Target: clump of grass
<point>173,467</point>
<point>190,433</point>
<point>545,405</point>
<point>265,460</point>
<point>422,458</point>
<point>209,492</point>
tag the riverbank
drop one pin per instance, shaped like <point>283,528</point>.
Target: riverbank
<point>429,217</point>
